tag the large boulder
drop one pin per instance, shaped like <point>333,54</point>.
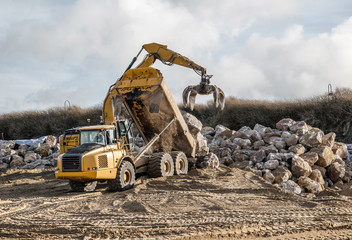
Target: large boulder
<point>201,145</point>
<point>300,167</point>
<point>292,140</point>
<point>268,176</point>
<point>43,149</point>
<point>317,177</point>
<point>3,166</point>
<point>7,144</point>
<point>208,131</point>
<point>329,139</point>
<point>51,141</point>
<point>243,155</point>
<point>269,149</point>
<point>260,129</point>
<point>310,157</point>
<point>299,128</point>
<point>312,138</point>
<point>259,156</point>
<point>336,172</point>
<point>340,149</point>
<point>219,129</point>
<point>298,149</point>
<point>310,185</point>
<point>209,161</point>
<point>258,144</point>
<point>271,164</point>
<point>282,174</point>
<point>285,124</point>
<point>291,187</point>
<point>322,170</point>
<point>17,161</point>
<point>325,154</point>
<point>30,156</point>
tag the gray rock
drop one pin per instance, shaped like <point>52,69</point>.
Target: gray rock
<point>281,174</point>
<point>269,149</point>
<point>194,125</point>
<point>312,138</point>
<point>4,166</point>
<point>209,161</point>
<point>291,187</point>
<point>219,129</point>
<point>297,149</point>
<point>292,140</point>
<point>268,176</point>
<point>317,177</point>
<point>310,185</point>
<point>325,154</point>
<point>259,156</point>
<point>208,131</point>
<point>271,164</point>
<point>336,172</point>
<point>8,144</point>
<point>299,128</point>
<point>51,141</point>
<point>258,144</point>
<point>310,157</point>
<point>329,139</point>
<point>300,167</point>
<point>285,124</point>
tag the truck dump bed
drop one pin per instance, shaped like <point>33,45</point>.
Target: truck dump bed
<point>149,101</point>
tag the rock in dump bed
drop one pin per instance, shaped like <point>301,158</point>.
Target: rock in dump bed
<point>295,156</point>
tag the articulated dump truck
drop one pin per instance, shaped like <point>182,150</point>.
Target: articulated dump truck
<point>102,153</point>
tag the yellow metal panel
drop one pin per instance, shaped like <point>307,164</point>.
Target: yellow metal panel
<point>88,175</point>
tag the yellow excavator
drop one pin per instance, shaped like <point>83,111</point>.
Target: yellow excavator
<point>169,57</point>
<point>104,152</point>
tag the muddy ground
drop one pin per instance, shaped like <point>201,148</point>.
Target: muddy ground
<point>205,204</point>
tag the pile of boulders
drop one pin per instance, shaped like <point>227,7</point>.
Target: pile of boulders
<point>297,157</point>
<point>34,154</point>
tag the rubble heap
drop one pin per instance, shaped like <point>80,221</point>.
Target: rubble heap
<point>34,154</point>
<point>296,156</point>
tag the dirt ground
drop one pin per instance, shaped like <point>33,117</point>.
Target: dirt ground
<point>205,204</point>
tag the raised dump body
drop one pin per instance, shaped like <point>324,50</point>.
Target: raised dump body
<point>152,106</point>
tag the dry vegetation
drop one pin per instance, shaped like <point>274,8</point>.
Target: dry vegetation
<point>32,124</point>
<point>333,113</point>
<point>329,113</point>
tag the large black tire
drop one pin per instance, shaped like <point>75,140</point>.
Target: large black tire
<point>180,162</point>
<point>83,186</point>
<point>160,165</point>
<point>125,178</point>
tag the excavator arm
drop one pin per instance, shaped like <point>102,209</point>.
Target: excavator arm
<point>169,57</point>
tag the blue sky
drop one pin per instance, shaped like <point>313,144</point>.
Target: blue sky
<point>52,51</point>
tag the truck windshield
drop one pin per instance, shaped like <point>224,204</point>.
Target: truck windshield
<point>93,136</point>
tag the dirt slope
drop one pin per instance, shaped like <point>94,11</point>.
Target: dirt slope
<point>205,204</point>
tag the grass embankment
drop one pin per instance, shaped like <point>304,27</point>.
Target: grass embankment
<point>331,114</point>
<point>33,124</point>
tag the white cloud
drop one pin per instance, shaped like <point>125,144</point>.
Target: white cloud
<point>53,51</point>
<point>291,66</point>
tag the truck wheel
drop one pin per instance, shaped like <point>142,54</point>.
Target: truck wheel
<point>160,165</point>
<point>83,186</point>
<point>181,163</point>
<point>125,178</point>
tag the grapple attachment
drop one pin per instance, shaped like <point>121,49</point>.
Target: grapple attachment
<point>203,88</point>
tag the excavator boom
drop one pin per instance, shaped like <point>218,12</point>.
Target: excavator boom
<point>169,57</point>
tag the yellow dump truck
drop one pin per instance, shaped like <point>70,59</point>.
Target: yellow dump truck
<point>104,152</point>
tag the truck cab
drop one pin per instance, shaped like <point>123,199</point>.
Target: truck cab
<point>92,153</point>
